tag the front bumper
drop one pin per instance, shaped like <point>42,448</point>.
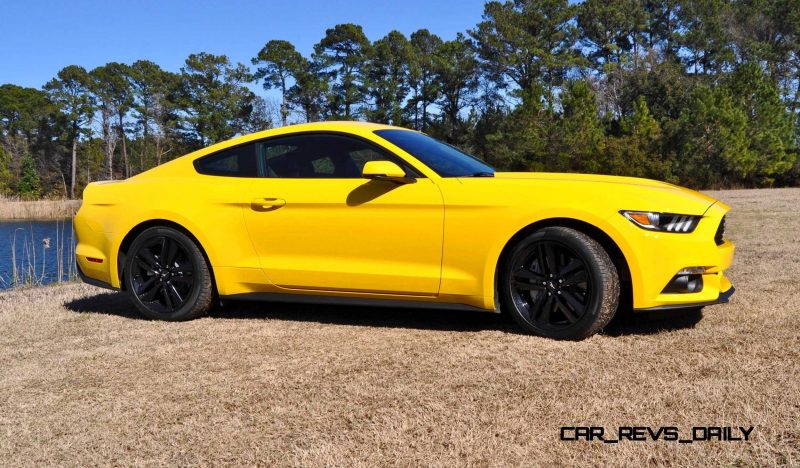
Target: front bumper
<point>656,257</point>
<point>722,299</point>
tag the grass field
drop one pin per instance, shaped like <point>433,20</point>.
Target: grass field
<point>85,382</point>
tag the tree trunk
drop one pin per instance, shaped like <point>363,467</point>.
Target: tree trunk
<point>110,161</point>
<point>424,102</point>
<point>284,104</point>
<point>142,152</point>
<point>74,168</point>
<point>124,147</point>
<point>125,156</point>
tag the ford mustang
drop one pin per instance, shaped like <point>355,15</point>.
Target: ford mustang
<point>363,213</point>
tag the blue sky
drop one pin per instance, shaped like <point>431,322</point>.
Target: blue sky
<point>41,37</point>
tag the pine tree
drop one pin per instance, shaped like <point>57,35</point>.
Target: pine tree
<point>637,152</point>
<point>769,130</point>
<point>29,184</point>
<point>5,172</point>
<point>340,56</point>
<point>582,141</point>
<point>714,144</point>
<point>279,62</point>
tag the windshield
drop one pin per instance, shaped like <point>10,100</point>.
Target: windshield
<point>445,160</point>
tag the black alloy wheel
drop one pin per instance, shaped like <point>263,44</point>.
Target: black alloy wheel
<point>561,284</point>
<point>167,277</point>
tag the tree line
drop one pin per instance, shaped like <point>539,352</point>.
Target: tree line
<point>704,93</point>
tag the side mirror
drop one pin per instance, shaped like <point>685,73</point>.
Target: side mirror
<point>385,170</point>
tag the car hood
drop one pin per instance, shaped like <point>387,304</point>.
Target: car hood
<point>650,192</point>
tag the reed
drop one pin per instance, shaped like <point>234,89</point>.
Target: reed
<point>14,209</point>
<point>26,271</point>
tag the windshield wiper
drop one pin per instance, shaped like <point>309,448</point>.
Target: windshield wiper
<point>481,174</point>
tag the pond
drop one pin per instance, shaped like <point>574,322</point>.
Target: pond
<point>36,252</point>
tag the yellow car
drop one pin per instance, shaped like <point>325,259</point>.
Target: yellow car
<point>365,213</point>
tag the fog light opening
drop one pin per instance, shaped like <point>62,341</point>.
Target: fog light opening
<point>687,280</point>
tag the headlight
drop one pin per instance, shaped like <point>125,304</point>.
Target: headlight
<point>664,222</point>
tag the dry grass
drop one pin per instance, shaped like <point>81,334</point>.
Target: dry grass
<point>84,382</point>
<point>11,209</point>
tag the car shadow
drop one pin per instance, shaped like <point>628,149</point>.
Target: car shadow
<point>648,323</point>
<point>115,303</point>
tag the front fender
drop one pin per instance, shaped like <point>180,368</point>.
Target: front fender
<point>553,217</point>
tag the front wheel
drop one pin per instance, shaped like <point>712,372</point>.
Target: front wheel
<point>559,283</point>
<point>167,277</point>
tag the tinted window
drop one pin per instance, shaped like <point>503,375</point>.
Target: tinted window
<point>320,156</point>
<point>446,160</point>
<point>234,162</point>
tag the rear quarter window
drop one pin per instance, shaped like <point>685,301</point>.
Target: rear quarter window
<point>239,161</point>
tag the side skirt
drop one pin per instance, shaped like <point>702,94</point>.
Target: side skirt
<point>348,301</point>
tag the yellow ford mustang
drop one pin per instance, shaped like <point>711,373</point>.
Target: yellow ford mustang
<point>360,213</point>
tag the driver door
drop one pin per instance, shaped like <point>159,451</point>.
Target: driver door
<point>317,225</point>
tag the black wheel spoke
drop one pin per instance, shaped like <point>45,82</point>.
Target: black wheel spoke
<point>551,283</point>
<point>172,250</point>
<point>182,279</point>
<point>147,257</point>
<point>167,298</point>
<point>150,295</point>
<point>175,294</point>
<point>573,302</point>
<point>552,263</point>
<point>566,311</point>
<point>534,309</point>
<point>574,265</point>
<point>542,259</point>
<point>184,268</point>
<point>525,286</point>
<point>525,274</point>
<point>144,287</point>
<point>163,274</point>
<point>144,265</point>
<point>527,280</point>
<point>547,307</point>
<point>576,277</point>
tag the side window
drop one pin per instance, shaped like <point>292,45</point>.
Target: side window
<point>324,167</point>
<point>239,161</point>
<point>365,155</point>
<point>321,156</point>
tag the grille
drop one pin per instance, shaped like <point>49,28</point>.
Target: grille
<point>719,236</point>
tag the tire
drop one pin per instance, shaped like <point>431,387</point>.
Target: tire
<point>559,283</point>
<point>167,277</point>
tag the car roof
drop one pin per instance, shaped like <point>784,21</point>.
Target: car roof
<point>332,126</point>
<point>352,127</point>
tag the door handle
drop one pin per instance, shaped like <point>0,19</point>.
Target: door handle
<point>267,204</point>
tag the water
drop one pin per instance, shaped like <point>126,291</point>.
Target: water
<point>35,247</point>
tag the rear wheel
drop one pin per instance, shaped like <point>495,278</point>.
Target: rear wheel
<point>167,277</point>
<point>560,283</point>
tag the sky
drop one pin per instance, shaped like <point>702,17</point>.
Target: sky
<point>42,37</point>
